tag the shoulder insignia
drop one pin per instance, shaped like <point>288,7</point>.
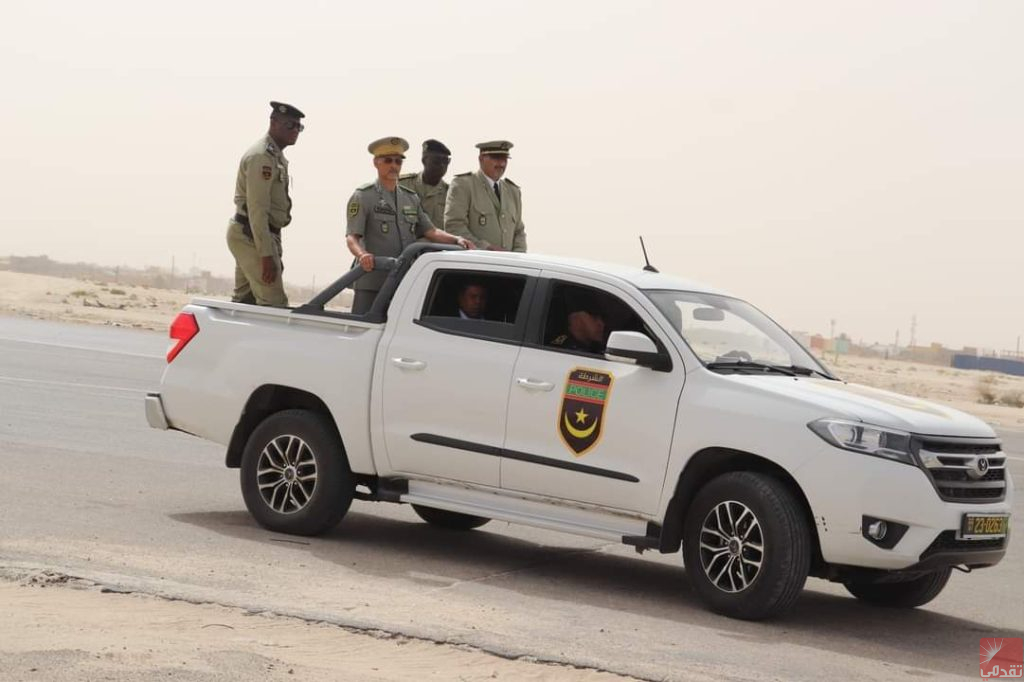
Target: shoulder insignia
<point>462,175</point>
<point>368,185</point>
<point>511,183</point>
<point>353,208</point>
<point>267,171</point>
<point>407,176</point>
<point>560,340</point>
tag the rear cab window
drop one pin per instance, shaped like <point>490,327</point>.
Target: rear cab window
<point>481,304</point>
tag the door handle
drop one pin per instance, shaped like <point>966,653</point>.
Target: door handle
<point>406,363</point>
<point>534,385</point>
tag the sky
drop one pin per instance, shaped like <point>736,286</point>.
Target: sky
<point>858,161</point>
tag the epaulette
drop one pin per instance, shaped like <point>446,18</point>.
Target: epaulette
<point>462,175</point>
<point>366,186</point>
<point>559,340</point>
<point>407,176</point>
<point>511,183</point>
<point>410,191</point>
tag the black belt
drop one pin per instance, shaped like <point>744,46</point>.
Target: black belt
<point>243,220</point>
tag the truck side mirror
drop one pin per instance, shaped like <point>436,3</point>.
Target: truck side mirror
<point>637,347</point>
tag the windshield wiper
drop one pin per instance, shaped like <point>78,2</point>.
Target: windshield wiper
<point>808,371</point>
<point>749,364</point>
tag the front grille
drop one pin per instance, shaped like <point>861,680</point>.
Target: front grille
<point>963,447</point>
<point>967,470</point>
<point>947,542</point>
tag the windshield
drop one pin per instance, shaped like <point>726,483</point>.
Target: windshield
<point>726,331</point>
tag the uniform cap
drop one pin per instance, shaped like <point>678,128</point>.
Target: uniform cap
<point>389,146</point>
<point>435,147</point>
<point>495,147</point>
<point>282,109</point>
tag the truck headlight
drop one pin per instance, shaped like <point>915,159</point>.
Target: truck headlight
<point>864,438</point>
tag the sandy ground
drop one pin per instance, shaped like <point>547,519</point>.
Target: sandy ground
<point>94,302</point>
<point>958,388</point>
<point>55,629</point>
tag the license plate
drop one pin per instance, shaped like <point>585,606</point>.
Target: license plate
<point>984,526</point>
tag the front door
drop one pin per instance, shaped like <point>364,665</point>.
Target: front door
<point>582,427</point>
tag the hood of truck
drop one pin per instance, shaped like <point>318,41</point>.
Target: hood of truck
<point>871,405</point>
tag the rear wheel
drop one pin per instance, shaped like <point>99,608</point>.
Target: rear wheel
<point>295,476</point>
<point>905,594</point>
<point>449,519</point>
<point>747,545</point>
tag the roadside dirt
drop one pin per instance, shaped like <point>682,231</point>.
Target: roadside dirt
<point>55,629</point>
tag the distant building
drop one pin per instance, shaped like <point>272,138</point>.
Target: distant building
<point>803,338</point>
<point>988,364</point>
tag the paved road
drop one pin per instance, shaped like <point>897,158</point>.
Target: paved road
<point>87,489</point>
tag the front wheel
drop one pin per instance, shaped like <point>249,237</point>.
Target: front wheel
<point>295,476</point>
<point>747,545</point>
<point>448,519</point>
<point>905,594</point>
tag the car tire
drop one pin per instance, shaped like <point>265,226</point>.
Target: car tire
<point>905,594</point>
<point>449,519</point>
<point>756,552</point>
<point>295,477</point>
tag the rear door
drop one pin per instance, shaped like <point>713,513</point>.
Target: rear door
<point>446,376</point>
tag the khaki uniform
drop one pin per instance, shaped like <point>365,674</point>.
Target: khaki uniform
<point>474,211</point>
<point>431,196</point>
<point>261,197</point>
<point>388,222</point>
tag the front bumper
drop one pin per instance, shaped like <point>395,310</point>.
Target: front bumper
<point>155,412</point>
<point>843,487</point>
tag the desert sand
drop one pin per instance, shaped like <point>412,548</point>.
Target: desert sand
<point>59,629</point>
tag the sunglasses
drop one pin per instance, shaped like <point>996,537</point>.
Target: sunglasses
<point>392,160</point>
<point>294,125</point>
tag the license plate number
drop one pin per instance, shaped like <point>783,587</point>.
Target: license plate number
<point>979,526</point>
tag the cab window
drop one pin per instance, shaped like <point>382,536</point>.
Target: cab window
<point>579,319</point>
<point>472,303</point>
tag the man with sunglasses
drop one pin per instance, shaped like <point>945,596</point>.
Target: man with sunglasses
<point>485,206</point>
<point>384,218</point>
<point>262,208</point>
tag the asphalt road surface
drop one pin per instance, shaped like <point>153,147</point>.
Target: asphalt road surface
<point>87,489</point>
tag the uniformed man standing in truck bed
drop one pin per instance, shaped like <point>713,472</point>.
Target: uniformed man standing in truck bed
<point>384,218</point>
<point>429,184</point>
<point>262,209</point>
<point>486,207</point>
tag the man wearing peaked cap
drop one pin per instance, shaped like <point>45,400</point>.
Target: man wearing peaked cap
<point>485,206</point>
<point>429,184</point>
<point>384,218</point>
<point>262,208</point>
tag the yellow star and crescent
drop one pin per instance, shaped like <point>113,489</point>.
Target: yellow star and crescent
<point>579,433</point>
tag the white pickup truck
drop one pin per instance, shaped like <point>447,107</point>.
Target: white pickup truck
<point>694,421</point>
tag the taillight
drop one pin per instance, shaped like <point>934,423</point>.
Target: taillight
<point>183,329</point>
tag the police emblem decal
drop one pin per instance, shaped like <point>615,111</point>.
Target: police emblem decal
<point>353,209</point>
<point>580,418</point>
